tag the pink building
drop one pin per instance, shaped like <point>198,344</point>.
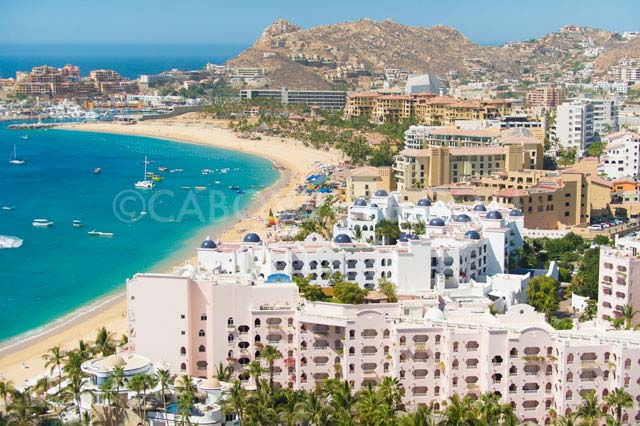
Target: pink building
<point>196,323</point>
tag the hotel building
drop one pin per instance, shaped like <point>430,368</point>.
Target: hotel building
<point>545,97</point>
<point>622,156</point>
<point>324,99</point>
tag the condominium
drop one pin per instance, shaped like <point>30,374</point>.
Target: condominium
<point>619,279</point>
<point>324,99</point>
<point>545,97</point>
<point>433,353</point>
<point>621,156</point>
<point>574,125</point>
<point>467,154</point>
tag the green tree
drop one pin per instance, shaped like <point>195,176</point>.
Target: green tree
<point>617,400</point>
<point>6,387</point>
<point>628,313</point>
<point>224,372</point>
<point>348,293</point>
<point>388,231</point>
<point>75,378</point>
<point>314,410</point>
<point>270,354</point>
<point>596,149</point>
<point>104,342</point>
<point>117,379</point>
<point>255,370</point>
<point>53,361</point>
<point>460,412</point>
<point>543,295</point>
<point>235,401</point>
<point>589,411</point>
<point>585,282</point>
<point>387,288</point>
<point>163,377</point>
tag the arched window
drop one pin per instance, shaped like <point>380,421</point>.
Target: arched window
<point>183,367</point>
<point>230,338</point>
<point>201,348</point>
<point>257,322</point>
<point>257,338</point>
<point>230,322</point>
<point>183,351</point>
<point>201,333</point>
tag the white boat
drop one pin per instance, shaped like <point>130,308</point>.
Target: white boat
<point>8,207</point>
<point>77,223</point>
<point>100,234</point>
<point>14,160</point>
<point>25,137</point>
<point>42,223</point>
<point>9,242</point>
<point>145,183</point>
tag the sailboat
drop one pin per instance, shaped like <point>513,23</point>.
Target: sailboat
<point>14,159</point>
<point>145,183</point>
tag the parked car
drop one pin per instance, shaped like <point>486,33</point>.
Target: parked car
<point>597,227</point>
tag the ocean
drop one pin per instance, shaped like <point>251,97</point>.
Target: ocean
<point>60,268</point>
<point>129,60</point>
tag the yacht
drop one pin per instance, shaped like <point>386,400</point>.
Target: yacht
<point>42,223</point>
<point>9,242</point>
<point>77,223</point>
<point>97,171</point>
<point>145,183</point>
<point>14,160</point>
<point>95,233</point>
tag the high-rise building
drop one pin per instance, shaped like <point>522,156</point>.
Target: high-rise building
<point>545,97</point>
<point>574,125</point>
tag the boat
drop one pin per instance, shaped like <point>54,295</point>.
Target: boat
<point>156,178</point>
<point>77,223</point>
<point>206,171</point>
<point>14,160</point>
<point>162,169</point>
<point>42,223</point>
<point>185,187</point>
<point>10,242</point>
<point>95,233</point>
<point>8,208</point>
<point>97,171</point>
<point>25,137</point>
<point>217,182</point>
<point>234,187</point>
<point>240,192</point>
<point>175,170</point>
<point>200,188</point>
<point>145,183</point>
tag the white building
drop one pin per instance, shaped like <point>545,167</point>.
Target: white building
<point>574,125</point>
<point>622,156</point>
<point>605,115</point>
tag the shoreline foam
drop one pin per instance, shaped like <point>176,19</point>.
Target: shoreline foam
<point>20,356</point>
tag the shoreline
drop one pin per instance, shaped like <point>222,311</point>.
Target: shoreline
<point>21,356</point>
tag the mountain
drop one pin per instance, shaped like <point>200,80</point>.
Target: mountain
<point>358,53</point>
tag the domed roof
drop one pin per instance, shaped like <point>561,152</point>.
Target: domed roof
<point>403,238</point>
<point>413,237</point>
<point>208,244</point>
<point>211,383</point>
<point>462,218</point>
<point>433,314</point>
<point>479,208</point>
<point>360,202</point>
<point>251,238</point>
<point>374,205</point>
<point>342,239</point>
<point>436,221</point>
<point>472,235</point>
<point>424,202</point>
<point>111,362</point>
<point>494,214</point>
<point>515,212</point>
<point>381,193</point>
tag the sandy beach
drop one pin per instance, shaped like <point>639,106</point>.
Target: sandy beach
<point>24,360</point>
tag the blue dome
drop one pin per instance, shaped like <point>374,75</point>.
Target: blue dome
<point>424,202</point>
<point>278,278</point>
<point>251,238</point>
<point>342,239</point>
<point>472,235</point>
<point>360,202</point>
<point>381,193</point>
<point>208,244</point>
<point>413,237</point>
<point>516,212</point>
<point>436,221</point>
<point>462,218</point>
<point>494,214</point>
<point>403,238</point>
<point>479,208</point>
<point>374,205</point>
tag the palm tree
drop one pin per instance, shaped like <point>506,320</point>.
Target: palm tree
<point>460,412</point>
<point>343,401</point>
<point>490,409</point>
<point>370,407</point>
<point>508,414</point>
<point>185,405</point>
<point>287,404</point>
<point>391,392</point>
<point>108,395</point>
<point>388,231</point>
<point>137,384</point>
<point>313,410</point>
<point>270,354</point>
<point>163,377</point>
<point>589,411</point>
<point>617,400</point>
<point>85,350</point>
<point>53,360</point>
<point>22,410</point>
<point>104,342</point>
<point>628,313</point>
<point>6,387</point>
<point>73,371</point>
<point>236,401</point>
<point>568,420</point>
<point>255,370</point>
<point>43,385</point>
<point>223,373</point>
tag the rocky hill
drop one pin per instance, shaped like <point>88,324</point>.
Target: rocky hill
<point>358,53</point>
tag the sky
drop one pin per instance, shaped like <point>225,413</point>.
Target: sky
<point>242,21</point>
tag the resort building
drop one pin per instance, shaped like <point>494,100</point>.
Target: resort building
<point>622,156</point>
<point>363,182</point>
<point>619,279</point>
<point>324,99</point>
<point>423,163</point>
<point>392,108</point>
<point>434,353</point>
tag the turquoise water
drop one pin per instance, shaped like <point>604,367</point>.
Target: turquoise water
<point>60,268</point>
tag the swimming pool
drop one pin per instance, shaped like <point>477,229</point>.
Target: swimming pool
<point>175,409</point>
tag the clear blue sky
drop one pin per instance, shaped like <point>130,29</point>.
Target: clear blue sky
<point>241,21</point>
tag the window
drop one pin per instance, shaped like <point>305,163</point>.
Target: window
<point>203,317</point>
<point>201,333</point>
<point>201,348</point>
<point>183,350</point>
